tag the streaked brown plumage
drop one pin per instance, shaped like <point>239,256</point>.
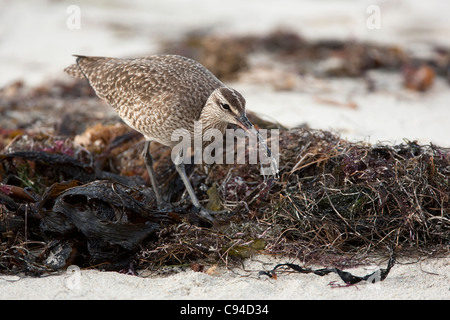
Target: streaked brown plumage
<point>158,94</point>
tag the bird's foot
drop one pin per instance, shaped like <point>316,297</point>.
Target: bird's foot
<point>208,215</point>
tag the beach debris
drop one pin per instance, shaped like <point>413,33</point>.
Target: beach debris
<point>197,267</point>
<point>418,78</point>
<point>347,277</point>
<point>283,58</point>
<point>212,271</point>
<point>110,215</point>
<point>331,195</point>
<point>59,255</point>
<point>55,166</point>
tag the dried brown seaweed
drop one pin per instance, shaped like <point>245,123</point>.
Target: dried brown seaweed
<point>347,277</point>
<point>332,196</point>
<point>289,55</point>
<point>349,195</point>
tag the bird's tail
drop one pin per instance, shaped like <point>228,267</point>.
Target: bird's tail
<point>74,69</point>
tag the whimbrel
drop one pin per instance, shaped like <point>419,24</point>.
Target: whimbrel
<point>158,94</point>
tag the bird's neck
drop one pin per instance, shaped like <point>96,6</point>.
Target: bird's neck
<point>209,120</point>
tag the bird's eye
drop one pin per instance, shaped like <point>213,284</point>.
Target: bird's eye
<point>225,106</point>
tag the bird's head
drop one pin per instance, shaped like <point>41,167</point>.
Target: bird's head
<point>228,105</point>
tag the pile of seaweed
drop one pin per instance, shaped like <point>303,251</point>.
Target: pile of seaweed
<point>74,189</point>
<point>63,204</point>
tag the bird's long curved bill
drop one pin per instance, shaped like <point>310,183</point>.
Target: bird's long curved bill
<point>245,124</point>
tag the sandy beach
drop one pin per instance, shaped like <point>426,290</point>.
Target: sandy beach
<point>37,44</point>
<point>426,279</point>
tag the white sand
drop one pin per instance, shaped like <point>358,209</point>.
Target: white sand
<point>36,44</point>
<point>429,279</point>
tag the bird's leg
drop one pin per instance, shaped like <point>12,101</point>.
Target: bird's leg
<point>202,212</point>
<point>148,160</point>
